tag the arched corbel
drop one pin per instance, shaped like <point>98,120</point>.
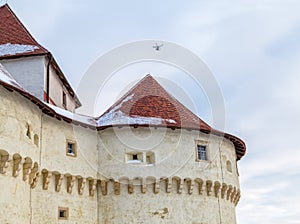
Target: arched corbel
<point>117,188</point>
<point>144,186</point>
<point>190,185</point>
<point>35,180</point>
<point>208,187</point>
<point>217,187</point>
<point>156,187</point>
<point>27,168</point>
<point>223,190</point>
<point>229,189</point>
<point>81,185</point>
<point>34,173</point>
<point>233,194</point>
<point>70,183</point>
<point>93,185</point>
<point>17,164</point>
<point>46,178</point>
<point>200,185</point>
<point>130,187</point>
<point>58,181</point>
<point>5,159</point>
<point>237,198</point>
<point>169,185</point>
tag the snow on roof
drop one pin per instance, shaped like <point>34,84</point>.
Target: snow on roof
<point>15,40</point>
<point>119,114</point>
<point>13,49</point>
<point>83,119</point>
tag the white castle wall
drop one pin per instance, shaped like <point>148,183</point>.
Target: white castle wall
<point>98,185</point>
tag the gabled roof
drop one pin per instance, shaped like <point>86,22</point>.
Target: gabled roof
<point>15,40</point>
<point>149,104</point>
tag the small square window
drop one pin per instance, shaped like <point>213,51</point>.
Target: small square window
<point>63,213</point>
<point>150,159</point>
<point>134,158</point>
<point>201,152</point>
<point>71,149</point>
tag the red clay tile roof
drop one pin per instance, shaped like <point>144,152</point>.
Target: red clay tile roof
<point>149,104</point>
<point>16,40</point>
<point>12,31</point>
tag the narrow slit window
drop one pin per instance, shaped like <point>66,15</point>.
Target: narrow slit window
<point>202,154</point>
<point>64,99</point>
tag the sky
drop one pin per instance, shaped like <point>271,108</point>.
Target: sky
<point>252,48</point>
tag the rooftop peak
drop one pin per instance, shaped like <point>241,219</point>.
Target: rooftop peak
<point>15,39</point>
<point>148,103</point>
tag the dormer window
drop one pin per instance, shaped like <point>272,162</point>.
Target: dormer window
<point>64,99</point>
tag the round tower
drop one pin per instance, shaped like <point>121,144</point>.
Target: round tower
<point>160,163</point>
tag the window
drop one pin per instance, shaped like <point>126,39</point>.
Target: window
<point>150,157</point>
<point>36,140</point>
<point>228,166</point>
<point>201,152</point>
<point>64,99</point>
<point>28,132</point>
<point>71,149</point>
<point>63,213</point>
<point>134,157</point>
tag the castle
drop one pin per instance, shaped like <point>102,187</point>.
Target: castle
<point>57,166</point>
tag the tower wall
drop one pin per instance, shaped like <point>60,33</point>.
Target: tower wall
<point>176,188</point>
<point>101,184</point>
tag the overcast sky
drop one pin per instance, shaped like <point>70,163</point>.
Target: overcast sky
<point>253,50</point>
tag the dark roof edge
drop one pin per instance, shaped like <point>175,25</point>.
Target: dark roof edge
<point>240,146</point>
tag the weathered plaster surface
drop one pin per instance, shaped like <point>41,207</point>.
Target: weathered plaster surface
<point>99,185</point>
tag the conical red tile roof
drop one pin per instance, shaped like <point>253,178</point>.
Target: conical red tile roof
<point>149,104</point>
<point>15,40</point>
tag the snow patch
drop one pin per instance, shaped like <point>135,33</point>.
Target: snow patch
<point>12,49</point>
<point>75,117</point>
